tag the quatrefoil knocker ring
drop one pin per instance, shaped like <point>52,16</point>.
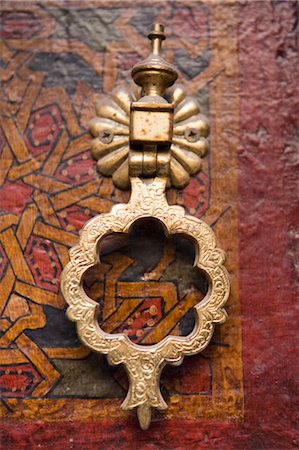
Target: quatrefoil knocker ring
<point>148,142</point>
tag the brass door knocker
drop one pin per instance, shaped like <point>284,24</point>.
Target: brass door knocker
<point>148,138</point>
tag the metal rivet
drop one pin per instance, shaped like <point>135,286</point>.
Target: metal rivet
<point>192,134</point>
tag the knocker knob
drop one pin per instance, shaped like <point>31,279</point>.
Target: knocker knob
<point>154,74</point>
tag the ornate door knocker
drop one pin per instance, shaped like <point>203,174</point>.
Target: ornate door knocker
<point>148,138</point>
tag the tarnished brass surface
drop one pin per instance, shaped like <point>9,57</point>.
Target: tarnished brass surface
<point>144,138</point>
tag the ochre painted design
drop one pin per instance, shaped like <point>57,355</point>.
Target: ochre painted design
<point>50,188</point>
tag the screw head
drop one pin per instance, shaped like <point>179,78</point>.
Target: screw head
<point>192,134</point>
<point>106,136</point>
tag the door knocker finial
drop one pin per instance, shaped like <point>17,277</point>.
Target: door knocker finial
<point>148,139</point>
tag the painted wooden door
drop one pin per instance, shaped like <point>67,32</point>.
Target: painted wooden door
<point>59,59</point>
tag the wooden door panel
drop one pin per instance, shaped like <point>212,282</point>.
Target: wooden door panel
<point>58,61</point>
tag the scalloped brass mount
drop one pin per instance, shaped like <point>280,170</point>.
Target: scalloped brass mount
<point>152,130</point>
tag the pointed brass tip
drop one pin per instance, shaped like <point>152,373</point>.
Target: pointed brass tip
<point>144,415</point>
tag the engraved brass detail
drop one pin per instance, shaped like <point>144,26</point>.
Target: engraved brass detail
<point>144,364</point>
